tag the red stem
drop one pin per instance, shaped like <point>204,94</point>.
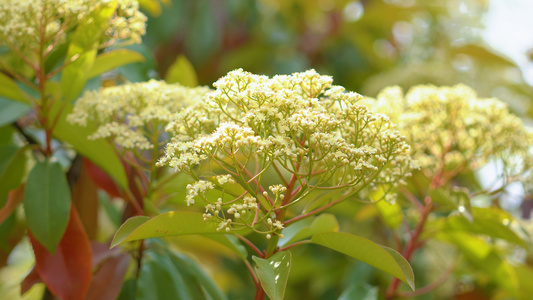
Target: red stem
<point>245,240</point>
<point>412,245</point>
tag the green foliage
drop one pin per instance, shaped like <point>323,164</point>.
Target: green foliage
<point>10,90</point>
<point>306,228</point>
<point>167,224</point>
<point>264,156</point>
<point>182,71</point>
<point>100,152</point>
<point>274,273</point>
<point>10,111</point>
<point>166,275</point>
<point>47,203</point>
<point>82,50</point>
<point>113,59</point>
<point>381,257</point>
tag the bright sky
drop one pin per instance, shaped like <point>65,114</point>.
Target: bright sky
<point>509,30</point>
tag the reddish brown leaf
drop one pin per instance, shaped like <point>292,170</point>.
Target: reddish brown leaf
<point>85,199</point>
<point>101,179</point>
<point>14,230</point>
<point>68,272</point>
<point>107,281</point>
<point>32,278</point>
<point>13,201</point>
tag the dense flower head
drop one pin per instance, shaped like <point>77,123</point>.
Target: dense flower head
<point>24,24</point>
<point>453,127</point>
<point>288,126</point>
<point>130,114</point>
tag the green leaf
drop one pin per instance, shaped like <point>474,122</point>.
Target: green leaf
<point>10,111</point>
<point>378,256</point>
<point>273,273</point>
<point>7,152</point>
<point>167,275</point>
<point>108,61</point>
<point>195,276</point>
<point>524,273</point>
<point>99,152</point>
<point>230,241</point>
<point>47,203</point>
<point>182,72</point>
<point>6,134</point>
<point>456,199</point>
<point>167,224</point>
<point>483,256</point>
<point>153,7</point>
<point>127,228</point>
<point>12,171</point>
<point>360,291</point>
<point>9,89</point>
<point>486,223</point>
<point>308,227</point>
<point>391,213</point>
<point>83,48</point>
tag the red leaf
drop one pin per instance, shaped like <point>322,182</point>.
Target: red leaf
<point>15,198</point>
<point>101,179</point>
<point>108,279</point>
<point>85,199</point>
<point>68,272</point>
<point>32,278</point>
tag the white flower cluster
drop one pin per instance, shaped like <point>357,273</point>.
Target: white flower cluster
<point>132,115</point>
<point>299,125</point>
<point>451,128</point>
<point>196,189</point>
<point>25,24</point>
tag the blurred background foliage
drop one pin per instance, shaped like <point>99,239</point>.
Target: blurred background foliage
<point>365,46</point>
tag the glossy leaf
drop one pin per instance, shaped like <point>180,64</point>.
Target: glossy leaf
<point>12,170</point>
<point>7,152</point>
<point>10,111</point>
<point>107,281</point>
<point>47,203</point>
<point>230,241</point>
<point>30,280</point>
<point>456,200</point>
<point>308,227</point>
<point>182,72</point>
<point>167,224</point>
<point>11,232</point>
<point>273,273</point>
<point>83,48</point>
<point>485,226</point>
<point>524,275</point>
<point>108,61</point>
<point>85,199</point>
<point>100,151</point>
<point>68,272</point>
<point>166,275</point>
<point>195,276</point>
<point>153,7</point>
<point>378,256</point>
<point>391,213</point>
<point>15,198</point>
<point>9,89</point>
<point>360,291</point>
<point>484,256</point>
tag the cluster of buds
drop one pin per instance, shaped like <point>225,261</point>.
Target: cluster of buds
<point>133,115</point>
<point>293,134</point>
<point>451,129</point>
<point>26,25</point>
